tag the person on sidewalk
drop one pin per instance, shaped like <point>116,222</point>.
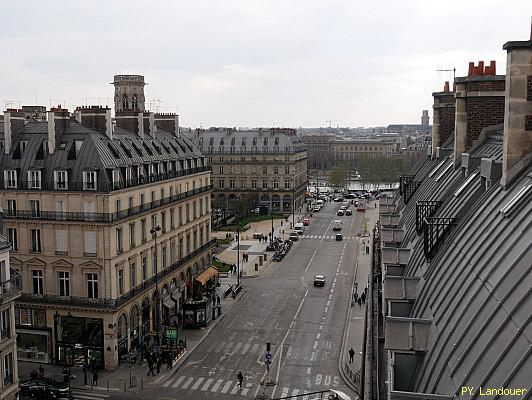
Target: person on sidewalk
<point>351,355</point>
<point>41,371</point>
<point>360,301</point>
<point>240,378</point>
<point>150,366</point>
<point>95,378</point>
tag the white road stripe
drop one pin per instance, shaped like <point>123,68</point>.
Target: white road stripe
<point>220,347</point>
<point>207,384</point>
<point>235,389</point>
<point>236,349</point>
<point>187,383</point>
<point>245,348</point>
<point>295,392</point>
<point>254,348</point>
<point>167,383</point>
<point>178,381</point>
<point>217,385</point>
<point>86,397</point>
<point>198,382</point>
<point>226,386</point>
<point>84,393</point>
<point>315,345</point>
<point>285,391</point>
<point>245,391</point>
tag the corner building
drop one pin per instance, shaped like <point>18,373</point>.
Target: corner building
<point>80,195</point>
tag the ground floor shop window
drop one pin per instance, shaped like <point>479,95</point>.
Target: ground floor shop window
<point>8,369</point>
<point>33,345</point>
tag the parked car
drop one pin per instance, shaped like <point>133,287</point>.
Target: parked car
<point>337,225</point>
<point>319,280</point>
<point>339,236</point>
<point>306,221</point>
<point>43,388</point>
<point>337,199</point>
<point>294,236</point>
<point>340,212</point>
<point>316,208</point>
<point>348,212</point>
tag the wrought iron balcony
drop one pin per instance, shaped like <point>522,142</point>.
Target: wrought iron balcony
<point>410,190</point>
<point>435,230</point>
<point>425,209</point>
<point>104,217</point>
<point>11,288</point>
<point>113,304</point>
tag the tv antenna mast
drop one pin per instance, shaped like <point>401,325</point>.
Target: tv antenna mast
<point>448,69</point>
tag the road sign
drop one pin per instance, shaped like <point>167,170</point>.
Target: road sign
<point>268,356</point>
<point>156,349</point>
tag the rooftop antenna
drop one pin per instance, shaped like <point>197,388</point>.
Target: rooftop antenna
<point>448,69</point>
<point>11,104</point>
<point>107,100</point>
<point>57,102</point>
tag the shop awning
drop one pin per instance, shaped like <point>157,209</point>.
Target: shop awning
<point>206,275</point>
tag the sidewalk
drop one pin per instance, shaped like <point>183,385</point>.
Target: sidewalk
<point>355,327</point>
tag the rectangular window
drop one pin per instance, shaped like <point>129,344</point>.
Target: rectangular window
<point>142,201</point>
<point>153,221</point>
<point>144,268</point>
<point>35,240</point>
<point>275,170</point>
<point>89,180</point>
<point>8,369</point>
<point>172,218</point>
<point>64,283</point>
<point>221,184</point>
<point>119,243</point>
<point>12,208</point>
<point>10,179</point>
<point>264,170</point>
<point>120,282</point>
<point>287,183</point>
<point>253,184</point>
<point>34,179</point>
<point>133,275</point>
<point>287,170</point>
<point>60,209</point>
<point>12,237</point>
<point>89,243</point>
<point>92,286</point>
<point>61,180</point>
<point>118,205</point>
<point>37,281</point>
<point>35,207</point>
<point>143,236</point>
<point>61,242</point>
<point>132,235</point>
<point>187,212</point>
<point>180,216</point>
<point>221,169</point>
<point>231,183</point>
<point>163,221</point>
<point>276,184</point>
<point>130,204</point>
<point>265,184</point>
<point>5,324</point>
<point>164,257</point>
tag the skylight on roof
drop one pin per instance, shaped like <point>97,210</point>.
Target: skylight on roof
<point>516,201</point>
<point>437,168</point>
<point>447,168</point>
<point>466,183</point>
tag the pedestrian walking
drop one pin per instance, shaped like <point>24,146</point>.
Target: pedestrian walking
<point>158,364</point>
<point>240,378</point>
<point>351,355</point>
<point>150,367</point>
<point>41,371</point>
<point>360,301</point>
<point>34,374</point>
<point>169,361</point>
<point>95,378</point>
<point>218,300</point>
<point>363,297</point>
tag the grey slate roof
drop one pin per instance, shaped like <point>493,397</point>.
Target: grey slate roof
<point>98,152</point>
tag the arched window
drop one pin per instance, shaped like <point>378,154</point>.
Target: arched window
<point>125,103</point>
<point>135,103</point>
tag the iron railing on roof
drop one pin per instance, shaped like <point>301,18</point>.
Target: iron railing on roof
<point>100,185</point>
<point>425,209</point>
<point>435,230</point>
<point>404,181</point>
<point>10,288</point>
<point>113,304</point>
<point>104,217</point>
<point>410,190</point>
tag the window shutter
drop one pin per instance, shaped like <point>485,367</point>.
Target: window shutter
<point>61,241</point>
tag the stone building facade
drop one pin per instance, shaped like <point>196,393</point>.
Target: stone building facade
<point>80,197</point>
<point>9,292</point>
<point>266,166</point>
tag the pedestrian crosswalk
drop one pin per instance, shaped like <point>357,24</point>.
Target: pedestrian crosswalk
<point>326,237</point>
<point>88,395</point>
<point>223,386</point>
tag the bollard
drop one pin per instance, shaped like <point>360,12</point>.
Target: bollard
<point>219,310</point>
<point>256,267</point>
<point>124,386</point>
<point>260,260</point>
<point>108,385</point>
<point>265,257</point>
<point>142,383</point>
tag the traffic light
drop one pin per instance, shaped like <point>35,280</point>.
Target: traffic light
<point>268,347</point>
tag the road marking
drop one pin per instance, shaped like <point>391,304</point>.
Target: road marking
<point>235,389</point>
<point>198,382</point>
<point>295,392</point>
<point>187,383</point>
<point>315,345</point>
<point>318,335</point>
<point>237,347</point>
<point>326,309</point>
<point>226,386</point>
<point>328,303</point>
<point>285,392</point>
<point>308,371</point>
<point>245,391</point>
<point>245,348</point>
<point>206,385</point>
<point>217,385</point>
<point>167,383</point>
<point>178,381</point>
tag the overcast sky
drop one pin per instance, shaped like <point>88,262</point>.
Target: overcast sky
<point>254,63</point>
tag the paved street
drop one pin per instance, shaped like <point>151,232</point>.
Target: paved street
<point>305,324</point>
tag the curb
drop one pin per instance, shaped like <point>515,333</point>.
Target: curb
<point>259,273</point>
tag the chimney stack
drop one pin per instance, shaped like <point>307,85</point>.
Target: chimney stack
<point>479,104</point>
<point>443,118</point>
<point>152,125</point>
<point>140,129</point>
<point>97,118</point>
<point>177,133</point>
<point>517,143</point>
<point>51,132</point>
<point>13,124</point>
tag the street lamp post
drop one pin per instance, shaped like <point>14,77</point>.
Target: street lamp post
<point>293,202</point>
<point>237,242</point>
<point>154,231</point>
<point>271,212</point>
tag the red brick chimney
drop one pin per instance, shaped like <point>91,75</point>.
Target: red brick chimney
<point>443,119</point>
<point>479,104</point>
<point>97,118</point>
<point>517,146</point>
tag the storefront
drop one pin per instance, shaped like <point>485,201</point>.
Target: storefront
<point>34,338</point>
<point>206,280</point>
<point>79,341</point>
<point>197,313</point>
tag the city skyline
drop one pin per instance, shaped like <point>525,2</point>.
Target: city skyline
<point>251,64</point>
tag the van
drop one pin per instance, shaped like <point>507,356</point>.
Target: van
<point>299,228</point>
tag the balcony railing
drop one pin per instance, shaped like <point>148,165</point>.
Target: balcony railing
<point>104,217</point>
<point>10,288</point>
<point>113,304</point>
<point>104,187</point>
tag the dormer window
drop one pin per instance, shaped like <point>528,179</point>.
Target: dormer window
<point>152,170</point>
<point>211,141</point>
<point>244,141</point>
<point>254,141</point>
<point>129,175</point>
<point>265,141</point>
<point>89,180</point>
<point>116,176</point>
<point>277,140</point>
<point>34,179</point>
<point>10,179</point>
<point>23,144</point>
<point>61,180</point>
